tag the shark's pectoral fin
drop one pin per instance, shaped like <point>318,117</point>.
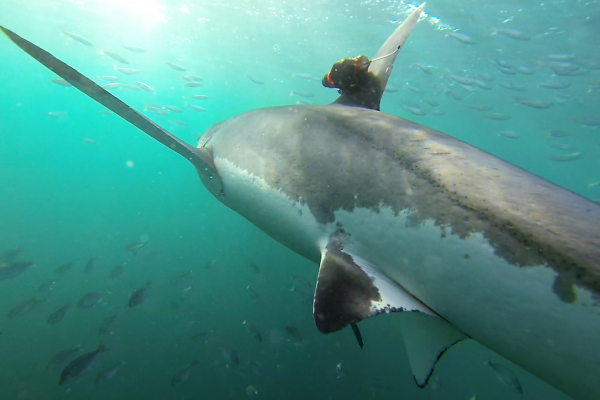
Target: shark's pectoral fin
<point>426,339</point>
<point>349,290</point>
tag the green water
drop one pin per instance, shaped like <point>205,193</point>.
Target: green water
<point>63,199</point>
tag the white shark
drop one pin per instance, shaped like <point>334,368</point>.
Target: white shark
<point>404,218</point>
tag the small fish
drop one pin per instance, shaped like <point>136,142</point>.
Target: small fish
<point>485,77</point>
<point>453,94</point>
<point>109,78</point>
<point>563,146</point>
<point>134,49</point>
<point>105,112</point>
<point>339,371</point>
<point>199,96</point>
<point>106,326</point>
<point>588,120</point>
<point>513,86</point>
<point>481,84</point>
<point>64,268</point>
<point>555,84</point>
<point>173,109</point>
<point>512,33</point>
<point>497,116</point>
<point>560,57</point>
<point>534,103</point>
<point>56,113</point>
<point>131,87</point>
<point>89,266</point>
<point>25,307</point>
<point>13,269</point>
<point>301,75</point>
<point>503,62</point>
<point>294,333</point>
<point>479,107</point>
<point>89,300</point>
<point>155,110</point>
<point>557,133</point>
<point>80,366</point>
<point>183,279</point>
<point>463,80</point>
<point>414,89</point>
<point>77,38</point>
<point>567,69</point>
<point>255,268</point>
<point>437,112</point>
<point>176,67</point>
<point>301,94</point>
<point>109,373</point>
<point>253,293</point>
<point>138,297</point>
<point>134,246</point>
<point>525,70</point>
<point>115,57</point>
<point>62,357</point>
<point>462,37</point>
<point>113,85</point>
<point>196,108</point>
<point>183,374</point>
<point>144,86</point>
<point>59,314</point>
<point>414,109</point>
<point>567,157</point>
<point>257,368</point>
<point>47,286</point>
<point>251,391</point>
<point>507,71</point>
<point>253,330</point>
<point>431,102</point>
<point>510,134</point>
<point>193,84</point>
<point>9,256</point>
<point>255,80</point>
<point>391,89</point>
<point>210,264</point>
<point>128,71</point>
<point>192,78</point>
<point>506,376</point>
<point>116,272</point>
<point>466,88</point>
<point>178,122</point>
<point>230,355</point>
<point>61,82</point>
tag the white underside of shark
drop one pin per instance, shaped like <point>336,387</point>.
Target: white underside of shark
<point>502,306</point>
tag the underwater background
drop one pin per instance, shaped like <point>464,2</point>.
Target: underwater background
<point>78,184</point>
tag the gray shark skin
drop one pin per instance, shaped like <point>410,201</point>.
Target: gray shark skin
<point>502,255</point>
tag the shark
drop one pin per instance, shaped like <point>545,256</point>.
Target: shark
<point>402,218</point>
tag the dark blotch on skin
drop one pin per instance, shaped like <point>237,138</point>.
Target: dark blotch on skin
<point>344,292</point>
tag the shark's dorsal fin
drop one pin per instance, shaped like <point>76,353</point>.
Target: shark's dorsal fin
<point>349,289</point>
<point>368,91</point>
<point>201,158</point>
<point>383,67</point>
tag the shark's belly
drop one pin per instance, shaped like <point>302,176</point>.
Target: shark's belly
<point>512,310</point>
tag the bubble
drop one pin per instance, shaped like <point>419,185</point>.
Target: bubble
<point>129,164</point>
